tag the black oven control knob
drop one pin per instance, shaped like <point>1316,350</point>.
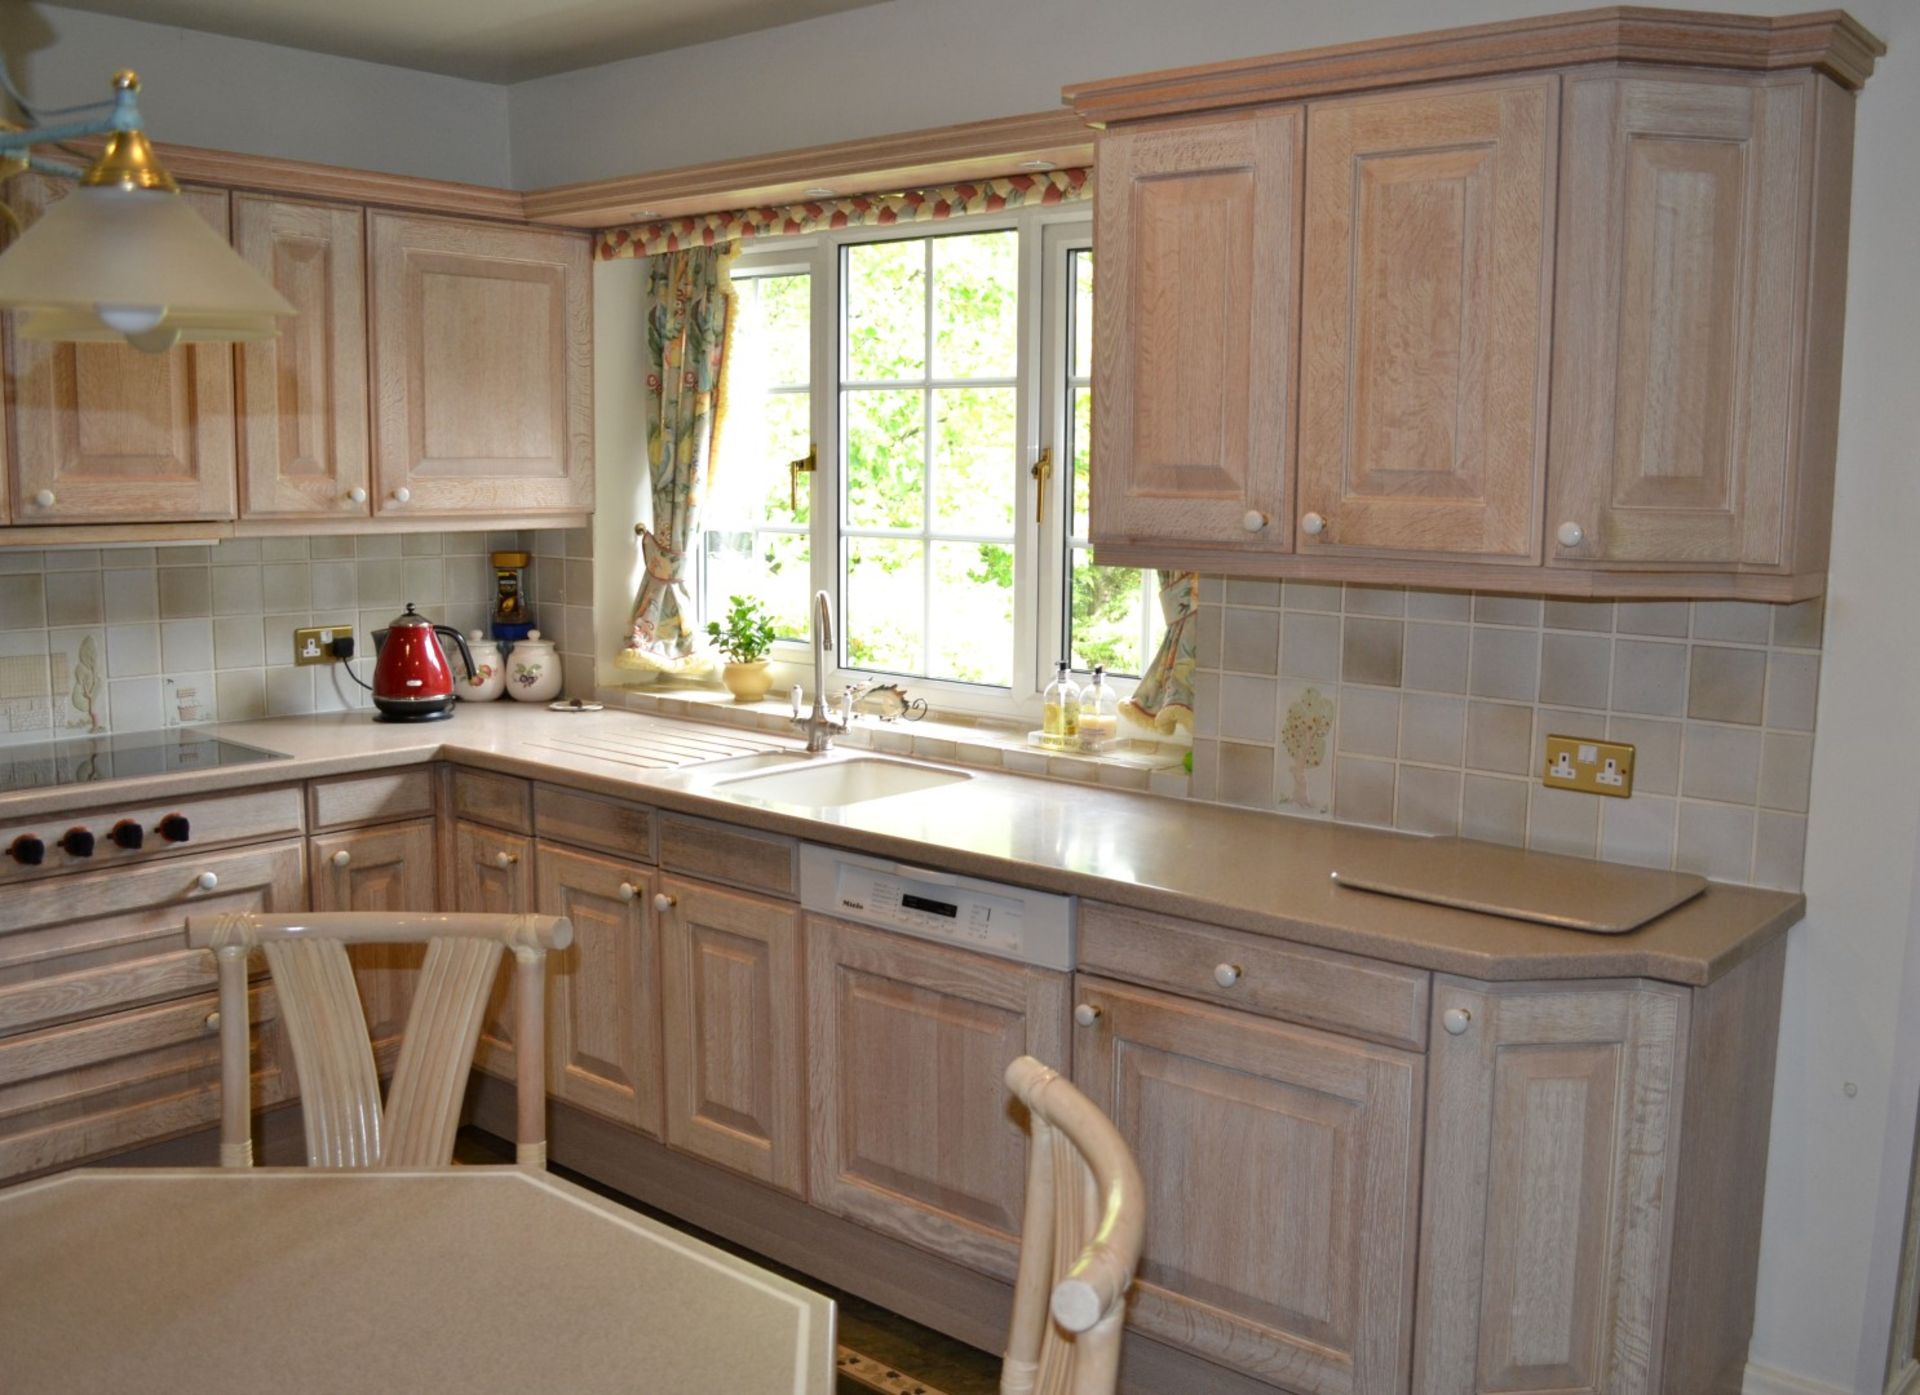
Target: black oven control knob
<point>128,834</point>
<point>28,850</point>
<point>77,842</point>
<point>174,828</point>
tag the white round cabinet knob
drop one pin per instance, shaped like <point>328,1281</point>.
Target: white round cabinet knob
<point>342,858</point>
<point>207,881</point>
<point>504,859</point>
<point>212,1024</point>
<point>628,891</point>
<point>1313,524</point>
<point>402,494</point>
<point>1570,534</point>
<point>1226,975</point>
<point>1086,1014</point>
<point>662,902</point>
<point>1456,1021</point>
<point>44,499</point>
<point>357,494</point>
<point>1253,520</point>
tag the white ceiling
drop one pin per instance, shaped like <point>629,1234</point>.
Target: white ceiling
<point>491,40</point>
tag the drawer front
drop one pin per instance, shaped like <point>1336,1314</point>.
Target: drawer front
<point>1320,988</point>
<point>721,853</point>
<point>82,946</point>
<point>213,821</point>
<point>504,801</point>
<point>89,1089</point>
<point>591,821</point>
<point>358,799</point>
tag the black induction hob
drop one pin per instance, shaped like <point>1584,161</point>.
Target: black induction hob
<point>85,760</point>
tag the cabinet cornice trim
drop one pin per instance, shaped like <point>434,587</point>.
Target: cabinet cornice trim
<point>1831,42</point>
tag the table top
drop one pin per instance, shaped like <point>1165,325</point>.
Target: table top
<point>294,1280</point>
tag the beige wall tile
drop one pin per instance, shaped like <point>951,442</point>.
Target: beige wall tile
<point>1245,592</point>
<point>1368,722</point>
<point>1371,651</point>
<point>1489,609</point>
<point>1246,708</point>
<point>1250,641</point>
<point>1779,850</point>
<point>1649,678</point>
<point>1721,763</point>
<point>1311,595</point>
<point>1793,685</point>
<point>131,595</point>
<point>1656,752</point>
<point>1310,647</point>
<point>1439,605</point>
<point>1569,613</point>
<point>1246,775</point>
<point>1668,618</point>
<point>1433,729</point>
<point>1727,685</point>
<point>185,593</point>
<point>1716,840</point>
<point>1376,600</point>
<point>1363,791</point>
<point>1639,830</point>
<point>1786,771</point>
<point>1500,737</point>
<point>1575,670</point>
<point>1747,622</point>
<point>1558,821</point>
<point>1800,625</point>
<point>1494,809</point>
<point>73,598</point>
<point>1436,657</point>
<point>1427,801</point>
<point>1506,663</point>
<point>1206,637</point>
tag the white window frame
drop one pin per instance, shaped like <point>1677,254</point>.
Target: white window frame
<point>1041,413</point>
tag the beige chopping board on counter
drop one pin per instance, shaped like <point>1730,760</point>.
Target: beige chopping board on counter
<point>1572,893</point>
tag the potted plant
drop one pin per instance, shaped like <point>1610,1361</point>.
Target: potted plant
<point>746,638</point>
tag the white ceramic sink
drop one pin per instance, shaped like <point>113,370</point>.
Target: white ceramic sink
<point>841,782</point>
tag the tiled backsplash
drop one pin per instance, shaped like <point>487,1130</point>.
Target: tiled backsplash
<point>1427,711</point>
<point>132,639</point>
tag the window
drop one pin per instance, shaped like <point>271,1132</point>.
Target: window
<point>948,357</point>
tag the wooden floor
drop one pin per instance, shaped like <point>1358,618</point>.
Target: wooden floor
<point>879,1350</point>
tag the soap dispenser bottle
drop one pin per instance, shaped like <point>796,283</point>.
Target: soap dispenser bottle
<point>1060,707</point>
<point>1099,713</point>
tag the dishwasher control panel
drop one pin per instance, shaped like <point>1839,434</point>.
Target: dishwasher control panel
<point>1033,927</point>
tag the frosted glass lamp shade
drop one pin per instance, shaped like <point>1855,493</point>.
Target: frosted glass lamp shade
<point>108,263</point>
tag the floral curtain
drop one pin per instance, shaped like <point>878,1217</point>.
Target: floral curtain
<point>857,211</point>
<point>1164,696</point>
<point>689,317</point>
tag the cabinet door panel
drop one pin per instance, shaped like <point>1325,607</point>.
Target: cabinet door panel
<point>303,396</point>
<point>1193,331</point>
<point>1429,244</point>
<point>912,1130</point>
<point>491,872</point>
<point>1674,366</point>
<point>735,1045</point>
<point>604,988</point>
<point>1281,1167</point>
<point>116,435</point>
<point>385,869</point>
<point>481,367</point>
<point>1550,1164</point>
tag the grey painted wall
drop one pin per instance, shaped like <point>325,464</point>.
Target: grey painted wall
<point>262,99</point>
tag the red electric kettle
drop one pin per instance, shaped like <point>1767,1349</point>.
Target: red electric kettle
<point>412,681</point>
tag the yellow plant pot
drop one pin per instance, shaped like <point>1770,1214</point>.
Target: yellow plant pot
<point>748,682</point>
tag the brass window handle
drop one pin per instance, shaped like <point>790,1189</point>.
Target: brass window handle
<point>1042,471</point>
<point>806,464</point>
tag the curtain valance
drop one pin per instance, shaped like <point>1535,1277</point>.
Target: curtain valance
<point>856,211</point>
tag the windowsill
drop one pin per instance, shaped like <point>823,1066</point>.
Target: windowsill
<point>1140,763</point>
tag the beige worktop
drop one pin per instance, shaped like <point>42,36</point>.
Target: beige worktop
<point>1264,873</point>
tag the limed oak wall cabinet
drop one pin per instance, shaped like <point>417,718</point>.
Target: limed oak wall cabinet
<point>1549,305</point>
<point>436,373</point>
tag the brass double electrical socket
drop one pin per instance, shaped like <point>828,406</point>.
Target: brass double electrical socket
<point>313,644</point>
<point>1591,767</point>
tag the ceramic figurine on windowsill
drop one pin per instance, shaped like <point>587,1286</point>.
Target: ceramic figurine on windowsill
<point>889,702</point>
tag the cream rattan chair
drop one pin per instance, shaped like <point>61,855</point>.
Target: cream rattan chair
<point>346,1125</point>
<point>1079,1245</point>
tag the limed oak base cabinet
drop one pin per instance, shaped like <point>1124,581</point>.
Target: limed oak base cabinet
<point>1363,1178</point>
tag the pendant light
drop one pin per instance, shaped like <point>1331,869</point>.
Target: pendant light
<point>123,256</point>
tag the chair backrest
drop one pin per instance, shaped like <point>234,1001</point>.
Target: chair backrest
<point>340,1104</point>
<point>1079,1245</point>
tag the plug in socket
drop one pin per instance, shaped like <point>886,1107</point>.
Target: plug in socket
<point>1591,767</point>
